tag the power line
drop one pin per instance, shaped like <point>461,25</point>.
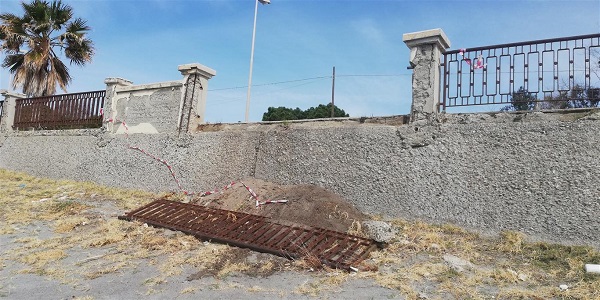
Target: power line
<point>311,78</point>
<point>271,83</point>
<point>374,75</point>
<point>235,99</point>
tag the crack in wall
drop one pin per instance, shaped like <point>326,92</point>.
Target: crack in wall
<point>188,103</point>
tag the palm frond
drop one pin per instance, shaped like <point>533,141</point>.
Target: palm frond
<point>20,79</point>
<point>13,62</point>
<point>78,26</point>
<point>74,33</point>
<point>60,14</point>
<point>60,73</point>
<point>36,13</point>
<point>79,52</point>
<point>8,17</point>
<point>13,23</point>
<point>9,41</point>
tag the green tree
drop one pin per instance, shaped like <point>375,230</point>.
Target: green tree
<point>283,113</point>
<point>580,97</point>
<point>577,97</point>
<point>30,43</point>
<point>521,101</point>
<point>324,111</point>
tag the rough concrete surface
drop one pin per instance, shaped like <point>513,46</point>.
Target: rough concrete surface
<point>380,231</point>
<point>535,173</point>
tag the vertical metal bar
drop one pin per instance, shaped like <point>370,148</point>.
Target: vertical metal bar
<point>588,66</point>
<point>471,82</point>
<point>511,69</point>
<point>572,66</point>
<point>445,83</point>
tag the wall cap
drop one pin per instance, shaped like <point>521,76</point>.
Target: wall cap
<point>117,80</point>
<point>149,86</point>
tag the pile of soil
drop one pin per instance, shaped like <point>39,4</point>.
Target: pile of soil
<point>307,205</point>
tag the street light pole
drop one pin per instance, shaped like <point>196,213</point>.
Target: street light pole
<point>252,56</point>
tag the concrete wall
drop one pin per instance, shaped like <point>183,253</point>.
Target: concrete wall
<point>149,108</point>
<point>163,107</point>
<point>537,173</point>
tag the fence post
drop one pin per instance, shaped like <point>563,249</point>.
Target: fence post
<point>193,96</point>
<point>426,48</point>
<point>111,110</point>
<point>8,109</point>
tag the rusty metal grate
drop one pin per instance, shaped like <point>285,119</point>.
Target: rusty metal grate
<point>335,249</point>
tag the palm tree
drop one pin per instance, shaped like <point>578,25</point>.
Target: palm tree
<point>29,43</point>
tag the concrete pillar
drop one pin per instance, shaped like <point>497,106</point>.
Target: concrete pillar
<point>8,109</point>
<point>193,95</point>
<point>426,48</point>
<point>110,109</point>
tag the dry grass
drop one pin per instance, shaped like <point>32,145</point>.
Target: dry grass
<point>61,217</point>
<point>103,270</point>
<point>232,267</point>
<point>356,229</point>
<point>189,290</point>
<point>69,209</point>
<point>511,242</point>
<point>508,267</point>
<point>311,288</point>
<point>69,224</point>
<point>43,258</point>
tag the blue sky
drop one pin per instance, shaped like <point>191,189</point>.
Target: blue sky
<point>297,44</point>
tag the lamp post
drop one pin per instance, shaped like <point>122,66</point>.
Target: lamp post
<point>252,55</point>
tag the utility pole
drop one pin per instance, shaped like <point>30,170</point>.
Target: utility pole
<point>333,94</point>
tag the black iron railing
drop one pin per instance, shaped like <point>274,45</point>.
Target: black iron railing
<point>68,111</point>
<point>551,73</point>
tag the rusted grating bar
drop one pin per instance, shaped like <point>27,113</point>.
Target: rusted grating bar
<point>335,249</point>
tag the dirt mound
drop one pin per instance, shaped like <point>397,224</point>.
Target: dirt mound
<point>308,205</point>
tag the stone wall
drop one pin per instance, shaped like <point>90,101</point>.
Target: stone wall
<point>538,173</point>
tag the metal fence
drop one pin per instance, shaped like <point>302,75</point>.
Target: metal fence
<point>68,111</point>
<point>551,73</point>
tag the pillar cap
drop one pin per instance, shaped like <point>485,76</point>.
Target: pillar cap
<point>432,36</point>
<point>7,93</point>
<point>196,68</point>
<point>117,80</point>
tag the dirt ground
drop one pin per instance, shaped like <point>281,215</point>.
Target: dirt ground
<point>62,240</point>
